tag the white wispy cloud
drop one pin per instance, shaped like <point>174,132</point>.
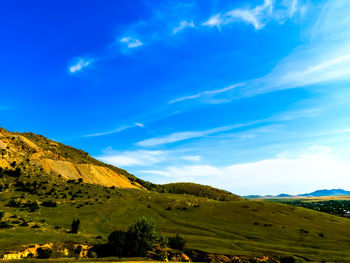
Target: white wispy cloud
<point>254,16</point>
<point>186,135</point>
<point>120,129</point>
<point>131,42</point>
<point>108,132</point>
<point>314,168</point>
<point>324,58</point>
<point>297,114</point>
<point>300,70</point>
<point>182,25</point>
<point>207,93</point>
<point>79,64</point>
<point>293,7</point>
<point>215,21</point>
<point>132,158</point>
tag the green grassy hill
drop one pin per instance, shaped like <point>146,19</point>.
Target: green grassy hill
<point>239,227</point>
<point>210,219</point>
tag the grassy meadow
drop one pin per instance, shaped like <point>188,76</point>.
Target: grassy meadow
<point>238,227</point>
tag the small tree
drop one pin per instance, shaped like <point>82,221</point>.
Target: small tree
<point>116,241</point>
<point>75,226</point>
<point>136,241</point>
<point>177,242</point>
<point>141,237</point>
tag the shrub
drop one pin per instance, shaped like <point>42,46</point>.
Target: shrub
<point>4,224</point>
<point>33,206</point>
<point>14,203</point>
<point>24,224</point>
<point>75,226</point>
<point>44,253</point>
<point>177,242</point>
<point>77,251</point>
<point>49,203</point>
<point>92,254</point>
<point>14,173</point>
<point>2,213</point>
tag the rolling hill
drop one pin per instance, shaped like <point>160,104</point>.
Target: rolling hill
<point>326,192</point>
<point>40,197</point>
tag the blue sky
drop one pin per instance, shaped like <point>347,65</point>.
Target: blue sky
<point>248,96</point>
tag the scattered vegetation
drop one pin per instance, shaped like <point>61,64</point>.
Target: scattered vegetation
<point>333,207</point>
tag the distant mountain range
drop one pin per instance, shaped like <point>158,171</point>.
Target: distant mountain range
<point>318,193</point>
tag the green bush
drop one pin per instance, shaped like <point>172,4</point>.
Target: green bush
<point>75,226</point>
<point>177,242</point>
<point>4,224</point>
<point>141,237</point>
<point>92,254</point>
<point>44,252</point>
<point>135,242</point>
<point>33,206</point>
<point>116,240</point>
<point>49,203</point>
<point>14,203</point>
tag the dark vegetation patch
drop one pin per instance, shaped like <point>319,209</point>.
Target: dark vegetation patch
<point>333,207</point>
<point>197,190</point>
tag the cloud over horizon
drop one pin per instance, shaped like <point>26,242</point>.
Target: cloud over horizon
<point>294,175</point>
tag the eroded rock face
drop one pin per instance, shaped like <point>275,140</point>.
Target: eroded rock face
<point>17,150</point>
<point>168,254</point>
<point>57,250</point>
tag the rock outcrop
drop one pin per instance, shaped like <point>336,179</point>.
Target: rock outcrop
<point>35,152</point>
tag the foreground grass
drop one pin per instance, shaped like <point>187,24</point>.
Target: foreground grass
<point>87,260</point>
<point>231,227</point>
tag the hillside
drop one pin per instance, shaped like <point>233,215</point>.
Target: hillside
<point>40,198</point>
<point>44,156</point>
<point>28,151</point>
<point>241,227</point>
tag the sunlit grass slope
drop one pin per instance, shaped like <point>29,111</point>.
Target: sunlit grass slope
<point>230,227</point>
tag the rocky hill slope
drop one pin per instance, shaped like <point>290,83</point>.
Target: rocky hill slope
<point>28,151</point>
